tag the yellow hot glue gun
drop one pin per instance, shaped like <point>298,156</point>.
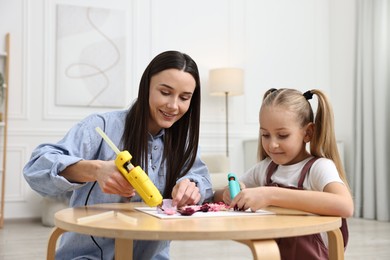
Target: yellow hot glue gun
<point>134,175</point>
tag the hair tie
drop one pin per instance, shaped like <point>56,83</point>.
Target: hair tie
<point>308,95</point>
<point>272,90</point>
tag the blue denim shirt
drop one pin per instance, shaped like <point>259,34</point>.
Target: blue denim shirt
<point>82,142</point>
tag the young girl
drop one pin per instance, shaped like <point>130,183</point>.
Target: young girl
<point>289,176</point>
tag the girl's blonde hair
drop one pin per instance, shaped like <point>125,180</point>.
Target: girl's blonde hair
<point>323,142</point>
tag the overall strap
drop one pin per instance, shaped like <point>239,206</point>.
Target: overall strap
<point>305,170</point>
<point>270,170</point>
<point>273,166</point>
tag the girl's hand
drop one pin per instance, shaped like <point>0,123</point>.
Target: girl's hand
<point>253,198</point>
<point>226,193</point>
<point>185,192</point>
<point>111,181</point>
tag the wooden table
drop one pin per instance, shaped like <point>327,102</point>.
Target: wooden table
<point>123,223</point>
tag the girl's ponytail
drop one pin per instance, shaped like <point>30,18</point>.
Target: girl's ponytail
<point>323,143</point>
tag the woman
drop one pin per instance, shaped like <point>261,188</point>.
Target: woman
<point>160,130</point>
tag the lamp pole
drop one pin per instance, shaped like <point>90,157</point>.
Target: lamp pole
<point>227,123</point>
<point>226,81</point>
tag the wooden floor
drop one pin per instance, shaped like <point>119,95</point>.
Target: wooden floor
<point>27,239</point>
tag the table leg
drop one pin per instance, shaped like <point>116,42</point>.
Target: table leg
<point>51,246</point>
<point>336,245</point>
<point>263,249</point>
<point>123,249</point>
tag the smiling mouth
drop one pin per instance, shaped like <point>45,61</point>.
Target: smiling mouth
<point>168,115</point>
<point>276,153</point>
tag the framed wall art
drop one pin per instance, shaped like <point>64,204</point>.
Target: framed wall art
<point>90,51</point>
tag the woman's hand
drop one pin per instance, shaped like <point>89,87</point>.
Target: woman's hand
<point>111,181</point>
<point>185,192</point>
<point>109,178</point>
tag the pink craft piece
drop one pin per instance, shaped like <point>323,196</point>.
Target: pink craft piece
<point>168,209</point>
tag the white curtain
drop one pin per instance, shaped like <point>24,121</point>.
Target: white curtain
<point>371,180</point>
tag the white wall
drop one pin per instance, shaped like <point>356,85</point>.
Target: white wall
<point>342,57</point>
<point>278,43</point>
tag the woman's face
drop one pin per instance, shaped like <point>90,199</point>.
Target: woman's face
<point>170,96</point>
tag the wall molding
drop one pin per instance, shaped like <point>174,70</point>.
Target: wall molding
<point>17,155</point>
<point>23,101</point>
<point>33,132</point>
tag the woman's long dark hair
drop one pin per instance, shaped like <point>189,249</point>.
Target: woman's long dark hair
<point>181,139</point>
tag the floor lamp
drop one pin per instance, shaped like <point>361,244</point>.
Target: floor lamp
<point>227,82</point>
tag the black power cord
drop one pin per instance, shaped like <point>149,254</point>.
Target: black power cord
<point>85,204</point>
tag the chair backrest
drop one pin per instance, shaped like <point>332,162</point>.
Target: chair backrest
<point>216,162</point>
<point>219,167</point>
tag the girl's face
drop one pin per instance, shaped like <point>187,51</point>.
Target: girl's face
<point>283,139</point>
<point>170,96</point>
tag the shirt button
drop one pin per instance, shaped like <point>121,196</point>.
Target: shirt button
<point>154,168</point>
<point>155,147</point>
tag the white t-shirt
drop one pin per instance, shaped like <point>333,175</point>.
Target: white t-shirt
<point>322,172</point>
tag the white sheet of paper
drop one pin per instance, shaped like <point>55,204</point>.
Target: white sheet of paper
<point>230,213</point>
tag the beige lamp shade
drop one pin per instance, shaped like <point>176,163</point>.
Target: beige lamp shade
<point>228,81</point>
